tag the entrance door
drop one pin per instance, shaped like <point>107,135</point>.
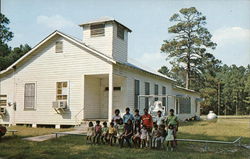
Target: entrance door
<point>117,102</point>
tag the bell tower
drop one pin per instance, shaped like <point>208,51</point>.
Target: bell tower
<point>107,36</point>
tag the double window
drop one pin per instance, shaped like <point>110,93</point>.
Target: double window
<point>97,30</point>
<point>136,93</point>
<point>29,96</point>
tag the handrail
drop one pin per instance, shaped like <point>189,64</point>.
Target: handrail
<point>210,141</point>
<point>76,120</point>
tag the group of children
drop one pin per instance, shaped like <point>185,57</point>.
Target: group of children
<point>143,131</point>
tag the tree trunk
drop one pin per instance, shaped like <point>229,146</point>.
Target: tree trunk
<point>188,74</point>
<point>187,80</point>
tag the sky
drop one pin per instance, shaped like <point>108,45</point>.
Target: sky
<point>227,20</point>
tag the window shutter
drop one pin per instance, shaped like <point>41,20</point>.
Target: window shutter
<point>164,98</point>
<point>97,30</point>
<point>147,92</point>
<point>137,92</point>
<point>156,92</point>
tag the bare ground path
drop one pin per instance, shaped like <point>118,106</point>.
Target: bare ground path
<point>51,136</point>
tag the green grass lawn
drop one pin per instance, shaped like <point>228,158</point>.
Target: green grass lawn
<point>75,147</point>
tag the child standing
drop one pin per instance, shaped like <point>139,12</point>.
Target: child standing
<point>154,134</point>
<point>104,133</point>
<point>90,132</point>
<point>137,116</point>
<point>112,133</point>
<point>173,120</point>
<point>170,137</point>
<point>98,132</point>
<point>136,137</point>
<point>160,136</point>
<point>144,134</point>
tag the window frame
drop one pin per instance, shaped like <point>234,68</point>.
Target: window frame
<point>183,109</point>
<point>61,94</point>
<point>97,32</point>
<point>25,96</point>
<point>57,45</point>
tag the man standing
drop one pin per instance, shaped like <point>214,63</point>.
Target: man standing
<point>159,119</point>
<point>127,116</point>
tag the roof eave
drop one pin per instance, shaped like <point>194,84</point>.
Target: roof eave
<point>45,40</point>
<point>145,71</point>
<point>105,21</point>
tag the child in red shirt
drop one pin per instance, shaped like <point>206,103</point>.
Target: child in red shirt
<point>98,132</point>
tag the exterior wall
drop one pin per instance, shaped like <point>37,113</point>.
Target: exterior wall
<point>6,88</point>
<point>120,46</point>
<point>100,43</point>
<point>109,44</point>
<point>96,98</point>
<point>144,77</point>
<point>46,68</point>
<point>193,97</point>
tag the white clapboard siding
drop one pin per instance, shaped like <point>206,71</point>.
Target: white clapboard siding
<point>120,46</point>
<point>145,77</point>
<point>100,43</point>
<point>109,44</point>
<point>46,68</point>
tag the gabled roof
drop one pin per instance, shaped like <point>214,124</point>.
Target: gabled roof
<point>74,40</point>
<point>104,20</point>
<point>129,64</point>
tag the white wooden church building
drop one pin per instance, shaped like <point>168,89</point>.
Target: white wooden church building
<point>63,81</point>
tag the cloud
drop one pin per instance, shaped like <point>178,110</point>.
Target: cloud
<point>231,35</point>
<point>54,22</point>
<point>153,60</point>
<point>233,45</point>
